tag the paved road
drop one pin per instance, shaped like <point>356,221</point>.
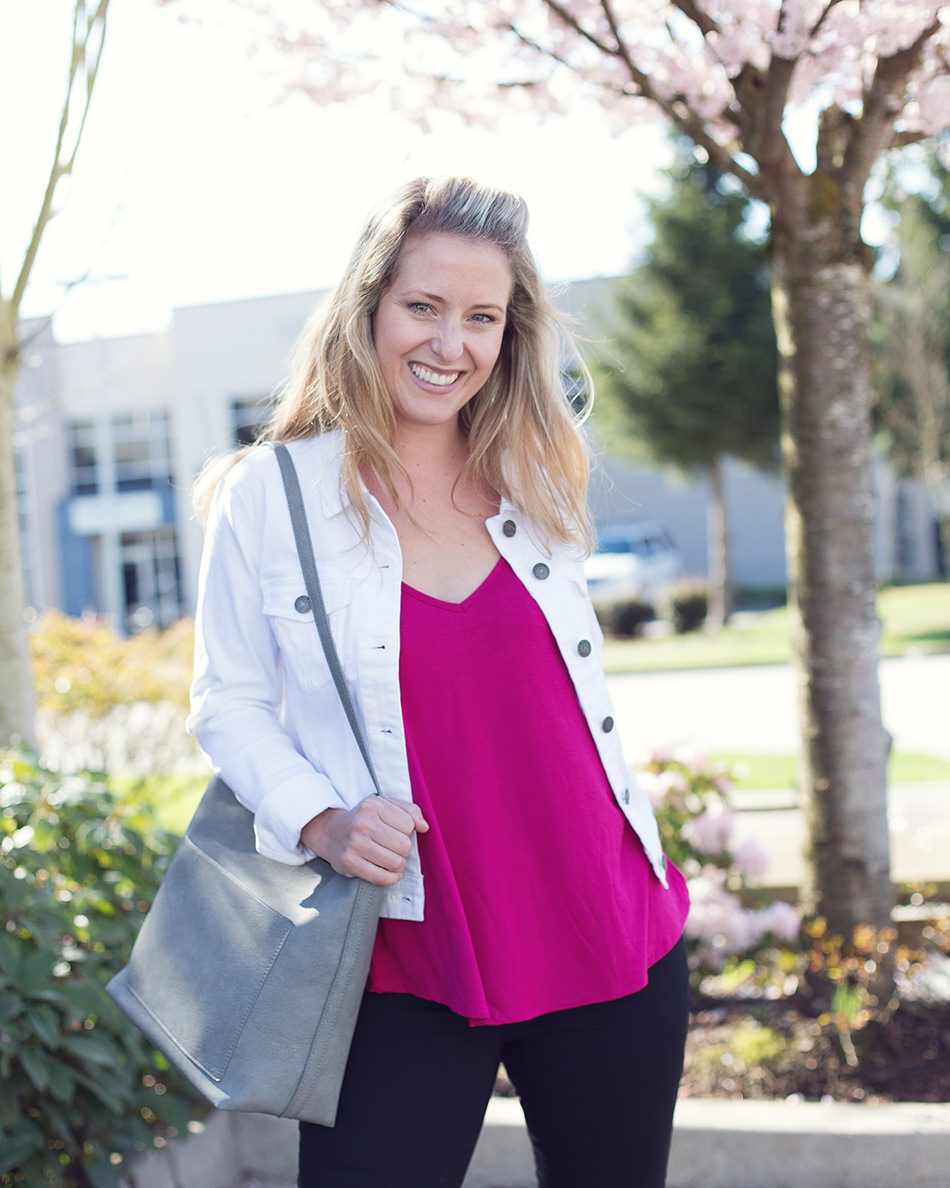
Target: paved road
<point>754,709</point>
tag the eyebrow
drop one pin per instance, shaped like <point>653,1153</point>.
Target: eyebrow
<point>436,297</point>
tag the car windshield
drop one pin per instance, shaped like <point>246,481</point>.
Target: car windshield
<point>645,547</point>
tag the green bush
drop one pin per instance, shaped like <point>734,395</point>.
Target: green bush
<point>81,1086</point>
<point>82,665</point>
<point>624,620</point>
<point>685,604</point>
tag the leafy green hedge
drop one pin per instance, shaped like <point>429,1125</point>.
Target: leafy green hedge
<point>81,1088</point>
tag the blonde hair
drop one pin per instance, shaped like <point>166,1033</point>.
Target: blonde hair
<point>523,436</point>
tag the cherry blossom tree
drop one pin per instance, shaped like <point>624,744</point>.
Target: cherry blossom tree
<point>798,99</point>
<point>16,697</point>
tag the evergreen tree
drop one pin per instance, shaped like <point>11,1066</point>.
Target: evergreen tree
<point>911,335</point>
<point>690,377</point>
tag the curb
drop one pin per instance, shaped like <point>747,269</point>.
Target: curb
<point>716,1144</point>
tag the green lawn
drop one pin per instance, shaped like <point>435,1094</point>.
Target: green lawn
<point>756,772</point>
<point>915,619</point>
<point>173,797</point>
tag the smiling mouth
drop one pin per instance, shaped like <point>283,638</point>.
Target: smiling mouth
<point>441,379</point>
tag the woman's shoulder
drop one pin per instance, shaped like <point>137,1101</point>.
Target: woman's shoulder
<point>256,468</point>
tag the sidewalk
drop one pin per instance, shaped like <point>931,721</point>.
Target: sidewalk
<point>918,815</point>
<point>716,1144</point>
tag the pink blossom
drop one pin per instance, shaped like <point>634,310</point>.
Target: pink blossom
<point>710,831</point>
<point>649,781</point>
<point>780,920</point>
<point>672,781</point>
<point>751,858</point>
<point>692,756</point>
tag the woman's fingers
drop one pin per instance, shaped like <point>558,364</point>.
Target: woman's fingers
<point>370,841</point>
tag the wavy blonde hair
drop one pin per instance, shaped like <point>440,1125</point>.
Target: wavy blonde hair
<point>524,438</point>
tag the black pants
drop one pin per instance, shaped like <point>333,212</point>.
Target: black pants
<point>597,1085</point>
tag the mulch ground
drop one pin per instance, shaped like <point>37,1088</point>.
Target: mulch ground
<point>733,1051</point>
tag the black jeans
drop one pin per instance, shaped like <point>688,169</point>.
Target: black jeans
<point>597,1085</point>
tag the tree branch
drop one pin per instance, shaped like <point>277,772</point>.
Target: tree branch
<point>677,109</point>
<point>874,131</point>
<point>63,162</point>
<point>826,12</point>
<point>702,20</point>
<point>572,22</point>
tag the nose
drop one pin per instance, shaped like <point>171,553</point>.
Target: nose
<point>447,342</point>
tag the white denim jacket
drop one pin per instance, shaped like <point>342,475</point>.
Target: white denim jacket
<point>264,706</point>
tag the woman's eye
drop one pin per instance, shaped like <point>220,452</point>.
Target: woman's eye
<point>485,319</point>
<point>420,306</point>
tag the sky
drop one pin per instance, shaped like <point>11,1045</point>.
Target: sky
<point>195,184</point>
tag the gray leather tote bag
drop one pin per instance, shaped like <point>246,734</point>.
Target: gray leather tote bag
<point>248,973</point>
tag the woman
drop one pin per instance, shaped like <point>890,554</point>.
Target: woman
<point>529,914</point>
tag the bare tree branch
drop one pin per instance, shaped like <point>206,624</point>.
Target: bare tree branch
<point>88,43</point>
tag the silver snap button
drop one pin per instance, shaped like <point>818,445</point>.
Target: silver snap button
<point>302,605</point>
<point>607,725</point>
<point>509,528</point>
<point>583,648</point>
<point>541,571</point>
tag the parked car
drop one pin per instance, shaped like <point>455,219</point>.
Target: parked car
<point>631,564</point>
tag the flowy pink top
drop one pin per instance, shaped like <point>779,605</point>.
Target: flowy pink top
<point>539,896</point>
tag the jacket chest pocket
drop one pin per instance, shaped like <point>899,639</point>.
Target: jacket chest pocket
<point>288,610</point>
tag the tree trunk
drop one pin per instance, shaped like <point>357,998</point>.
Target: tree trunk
<point>16,684</point>
<point>718,546</point>
<point>822,315</point>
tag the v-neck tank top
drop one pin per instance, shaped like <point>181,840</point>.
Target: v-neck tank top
<point>539,896</point>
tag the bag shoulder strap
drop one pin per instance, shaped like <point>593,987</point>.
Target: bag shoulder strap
<point>298,518</point>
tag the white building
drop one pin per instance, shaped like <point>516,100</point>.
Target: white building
<point>112,432</point>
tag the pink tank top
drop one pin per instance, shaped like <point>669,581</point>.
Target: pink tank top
<point>538,893</point>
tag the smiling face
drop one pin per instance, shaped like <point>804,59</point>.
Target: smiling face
<point>438,327</point>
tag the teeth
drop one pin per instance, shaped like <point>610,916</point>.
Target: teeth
<point>433,377</point>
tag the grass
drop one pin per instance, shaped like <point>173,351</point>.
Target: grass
<point>757,772</point>
<point>915,619</point>
<point>173,797</point>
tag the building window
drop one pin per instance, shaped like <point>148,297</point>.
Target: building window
<point>248,417</point>
<point>136,447</point>
<point>141,441</point>
<point>151,578</point>
<point>83,469</point>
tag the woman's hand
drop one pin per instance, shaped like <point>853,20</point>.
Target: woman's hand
<point>370,841</point>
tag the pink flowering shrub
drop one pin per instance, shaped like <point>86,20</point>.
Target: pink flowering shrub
<point>728,919</point>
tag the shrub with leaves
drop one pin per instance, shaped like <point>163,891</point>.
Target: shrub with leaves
<point>81,1087</point>
<point>685,604</point>
<point>728,917</point>
<point>624,619</point>
<point>81,665</point>
<point>105,703</point>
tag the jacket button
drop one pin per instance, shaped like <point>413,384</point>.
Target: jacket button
<point>509,528</point>
<point>626,795</point>
<point>607,725</point>
<point>541,571</point>
<point>583,648</point>
<point>302,605</point>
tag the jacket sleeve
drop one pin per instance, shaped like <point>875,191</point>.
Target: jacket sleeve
<point>237,691</point>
